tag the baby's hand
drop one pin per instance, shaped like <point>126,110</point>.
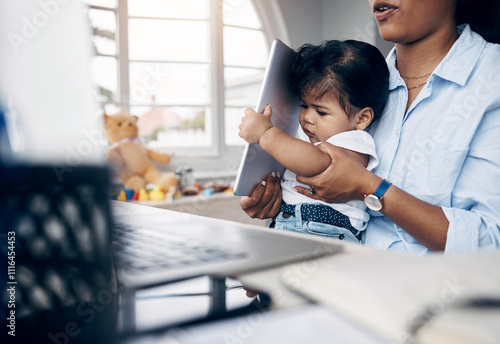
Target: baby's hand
<point>254,125</point>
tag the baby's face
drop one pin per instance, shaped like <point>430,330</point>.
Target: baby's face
<point>324,117</point>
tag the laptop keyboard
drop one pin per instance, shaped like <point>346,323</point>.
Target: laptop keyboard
<point>141,250</point>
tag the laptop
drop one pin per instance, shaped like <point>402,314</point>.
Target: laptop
<point>166,246</point>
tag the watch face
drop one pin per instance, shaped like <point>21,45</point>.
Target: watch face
<point>373,202</point>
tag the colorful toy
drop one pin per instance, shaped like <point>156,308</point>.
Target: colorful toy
<point>122,196</point>
<point>177,195</point>
<point>170,195</point>
<point>190,190</point>
<point>143,195</point>
<point>157,194</point>
<point>129,193</point>
<point>209,191</point>
<point>134,161</point>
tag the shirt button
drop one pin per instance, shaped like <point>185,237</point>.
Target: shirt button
<point>397,132</point>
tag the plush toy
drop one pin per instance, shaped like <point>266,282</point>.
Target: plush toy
<point>133,160</point>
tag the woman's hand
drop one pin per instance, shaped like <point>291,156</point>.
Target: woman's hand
<point>265,200</point>
<point>254,125</point>
<point>345,179</point>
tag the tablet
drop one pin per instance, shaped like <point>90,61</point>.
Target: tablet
<point>256,164</point>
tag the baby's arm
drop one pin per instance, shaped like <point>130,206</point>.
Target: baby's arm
<point>300,157</point>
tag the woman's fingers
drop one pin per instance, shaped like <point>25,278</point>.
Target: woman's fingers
<point>274,190</point>
<point>277,204</point>
<point>262,201</point>
<point>271,193</point>
<point>307,192</point>
<point>250,293</point>
<point>255,202</point>
<point>247,203</point>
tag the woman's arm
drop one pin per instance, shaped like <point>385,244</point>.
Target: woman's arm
<point>346,179</point>
<point>425,222</point>
<point>298,156</point>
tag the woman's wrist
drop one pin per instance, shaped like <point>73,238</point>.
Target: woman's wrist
<point>369,183</point>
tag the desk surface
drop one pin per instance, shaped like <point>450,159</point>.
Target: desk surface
<point>224,206</point>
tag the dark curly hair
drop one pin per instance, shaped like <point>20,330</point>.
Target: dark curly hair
<point>355,72</point>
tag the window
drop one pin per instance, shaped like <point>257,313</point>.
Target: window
<point>180,66</point>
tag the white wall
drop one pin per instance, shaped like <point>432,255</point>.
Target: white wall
<point>313,21</point>
<point>302,20</point>
<point>347,19</point>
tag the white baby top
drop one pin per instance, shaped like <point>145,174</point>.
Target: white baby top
<point>355,140</point>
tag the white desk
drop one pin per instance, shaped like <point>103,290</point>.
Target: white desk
<point>220,205</point>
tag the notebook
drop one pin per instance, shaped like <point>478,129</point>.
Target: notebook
<point>256,164</point>
<point>395,295</point>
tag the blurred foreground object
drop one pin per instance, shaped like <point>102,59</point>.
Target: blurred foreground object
<point>45,84</point>
<point>55,243</point>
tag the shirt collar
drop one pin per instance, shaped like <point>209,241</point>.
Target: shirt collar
<point>395,79</point>
<point>457,64</point>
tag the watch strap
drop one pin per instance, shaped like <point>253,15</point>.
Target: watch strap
<point>382,188</point>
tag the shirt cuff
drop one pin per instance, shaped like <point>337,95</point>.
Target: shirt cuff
<point>468,232</point>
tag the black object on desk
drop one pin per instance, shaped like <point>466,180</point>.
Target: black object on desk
<point>54,241</point>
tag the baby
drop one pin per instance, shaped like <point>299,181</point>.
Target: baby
<point>342,88</point>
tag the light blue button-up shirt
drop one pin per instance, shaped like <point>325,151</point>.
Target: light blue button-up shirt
<point>446,149</point>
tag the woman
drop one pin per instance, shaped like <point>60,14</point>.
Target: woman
<point>437,185</point>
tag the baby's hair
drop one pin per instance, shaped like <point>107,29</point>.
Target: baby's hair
<point>355,72</point>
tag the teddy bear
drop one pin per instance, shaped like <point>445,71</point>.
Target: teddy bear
<point>132,159</point>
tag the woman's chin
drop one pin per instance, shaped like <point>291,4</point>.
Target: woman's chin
<point>392,35</point>
<point>389,34</point>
